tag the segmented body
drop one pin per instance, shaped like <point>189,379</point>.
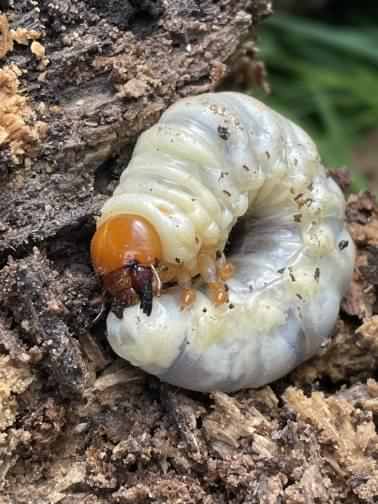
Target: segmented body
<point>225,162</point>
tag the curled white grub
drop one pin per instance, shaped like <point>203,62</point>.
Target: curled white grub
<point>223,172</point>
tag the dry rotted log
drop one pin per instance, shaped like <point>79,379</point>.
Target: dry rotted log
<point>105,72</point>
<point>79,81</point>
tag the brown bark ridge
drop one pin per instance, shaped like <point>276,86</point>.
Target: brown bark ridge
<point>100,74</point>
<point>79,81</point>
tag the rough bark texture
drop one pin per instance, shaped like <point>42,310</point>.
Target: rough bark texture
<point>77,424</point>
<point>110,69</point>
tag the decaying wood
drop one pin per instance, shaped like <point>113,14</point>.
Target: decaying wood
<point>79,80</point>
<point>107,72</point>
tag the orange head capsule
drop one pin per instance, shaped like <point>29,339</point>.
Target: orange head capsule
<point>124,238</point>
<point>124,250</point>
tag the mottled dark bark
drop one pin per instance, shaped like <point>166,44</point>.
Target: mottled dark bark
<point>78,425</point>
<point>113,67</point>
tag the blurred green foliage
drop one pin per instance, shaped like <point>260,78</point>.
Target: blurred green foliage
<point>326,79</point>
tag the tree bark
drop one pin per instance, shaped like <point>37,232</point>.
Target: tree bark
<point>110,69</point>
<point>79,81</point>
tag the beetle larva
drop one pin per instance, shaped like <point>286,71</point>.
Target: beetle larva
<point>213,164</point>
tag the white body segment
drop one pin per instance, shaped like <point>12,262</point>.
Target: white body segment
<point>212,162</point>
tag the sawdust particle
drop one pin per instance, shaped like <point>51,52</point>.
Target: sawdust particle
<point>23,36</point>
<point>345,432</point>
<point>13,381</point>
<point>37,49</point>
<point>16,116</point>
<point>6,40</point>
